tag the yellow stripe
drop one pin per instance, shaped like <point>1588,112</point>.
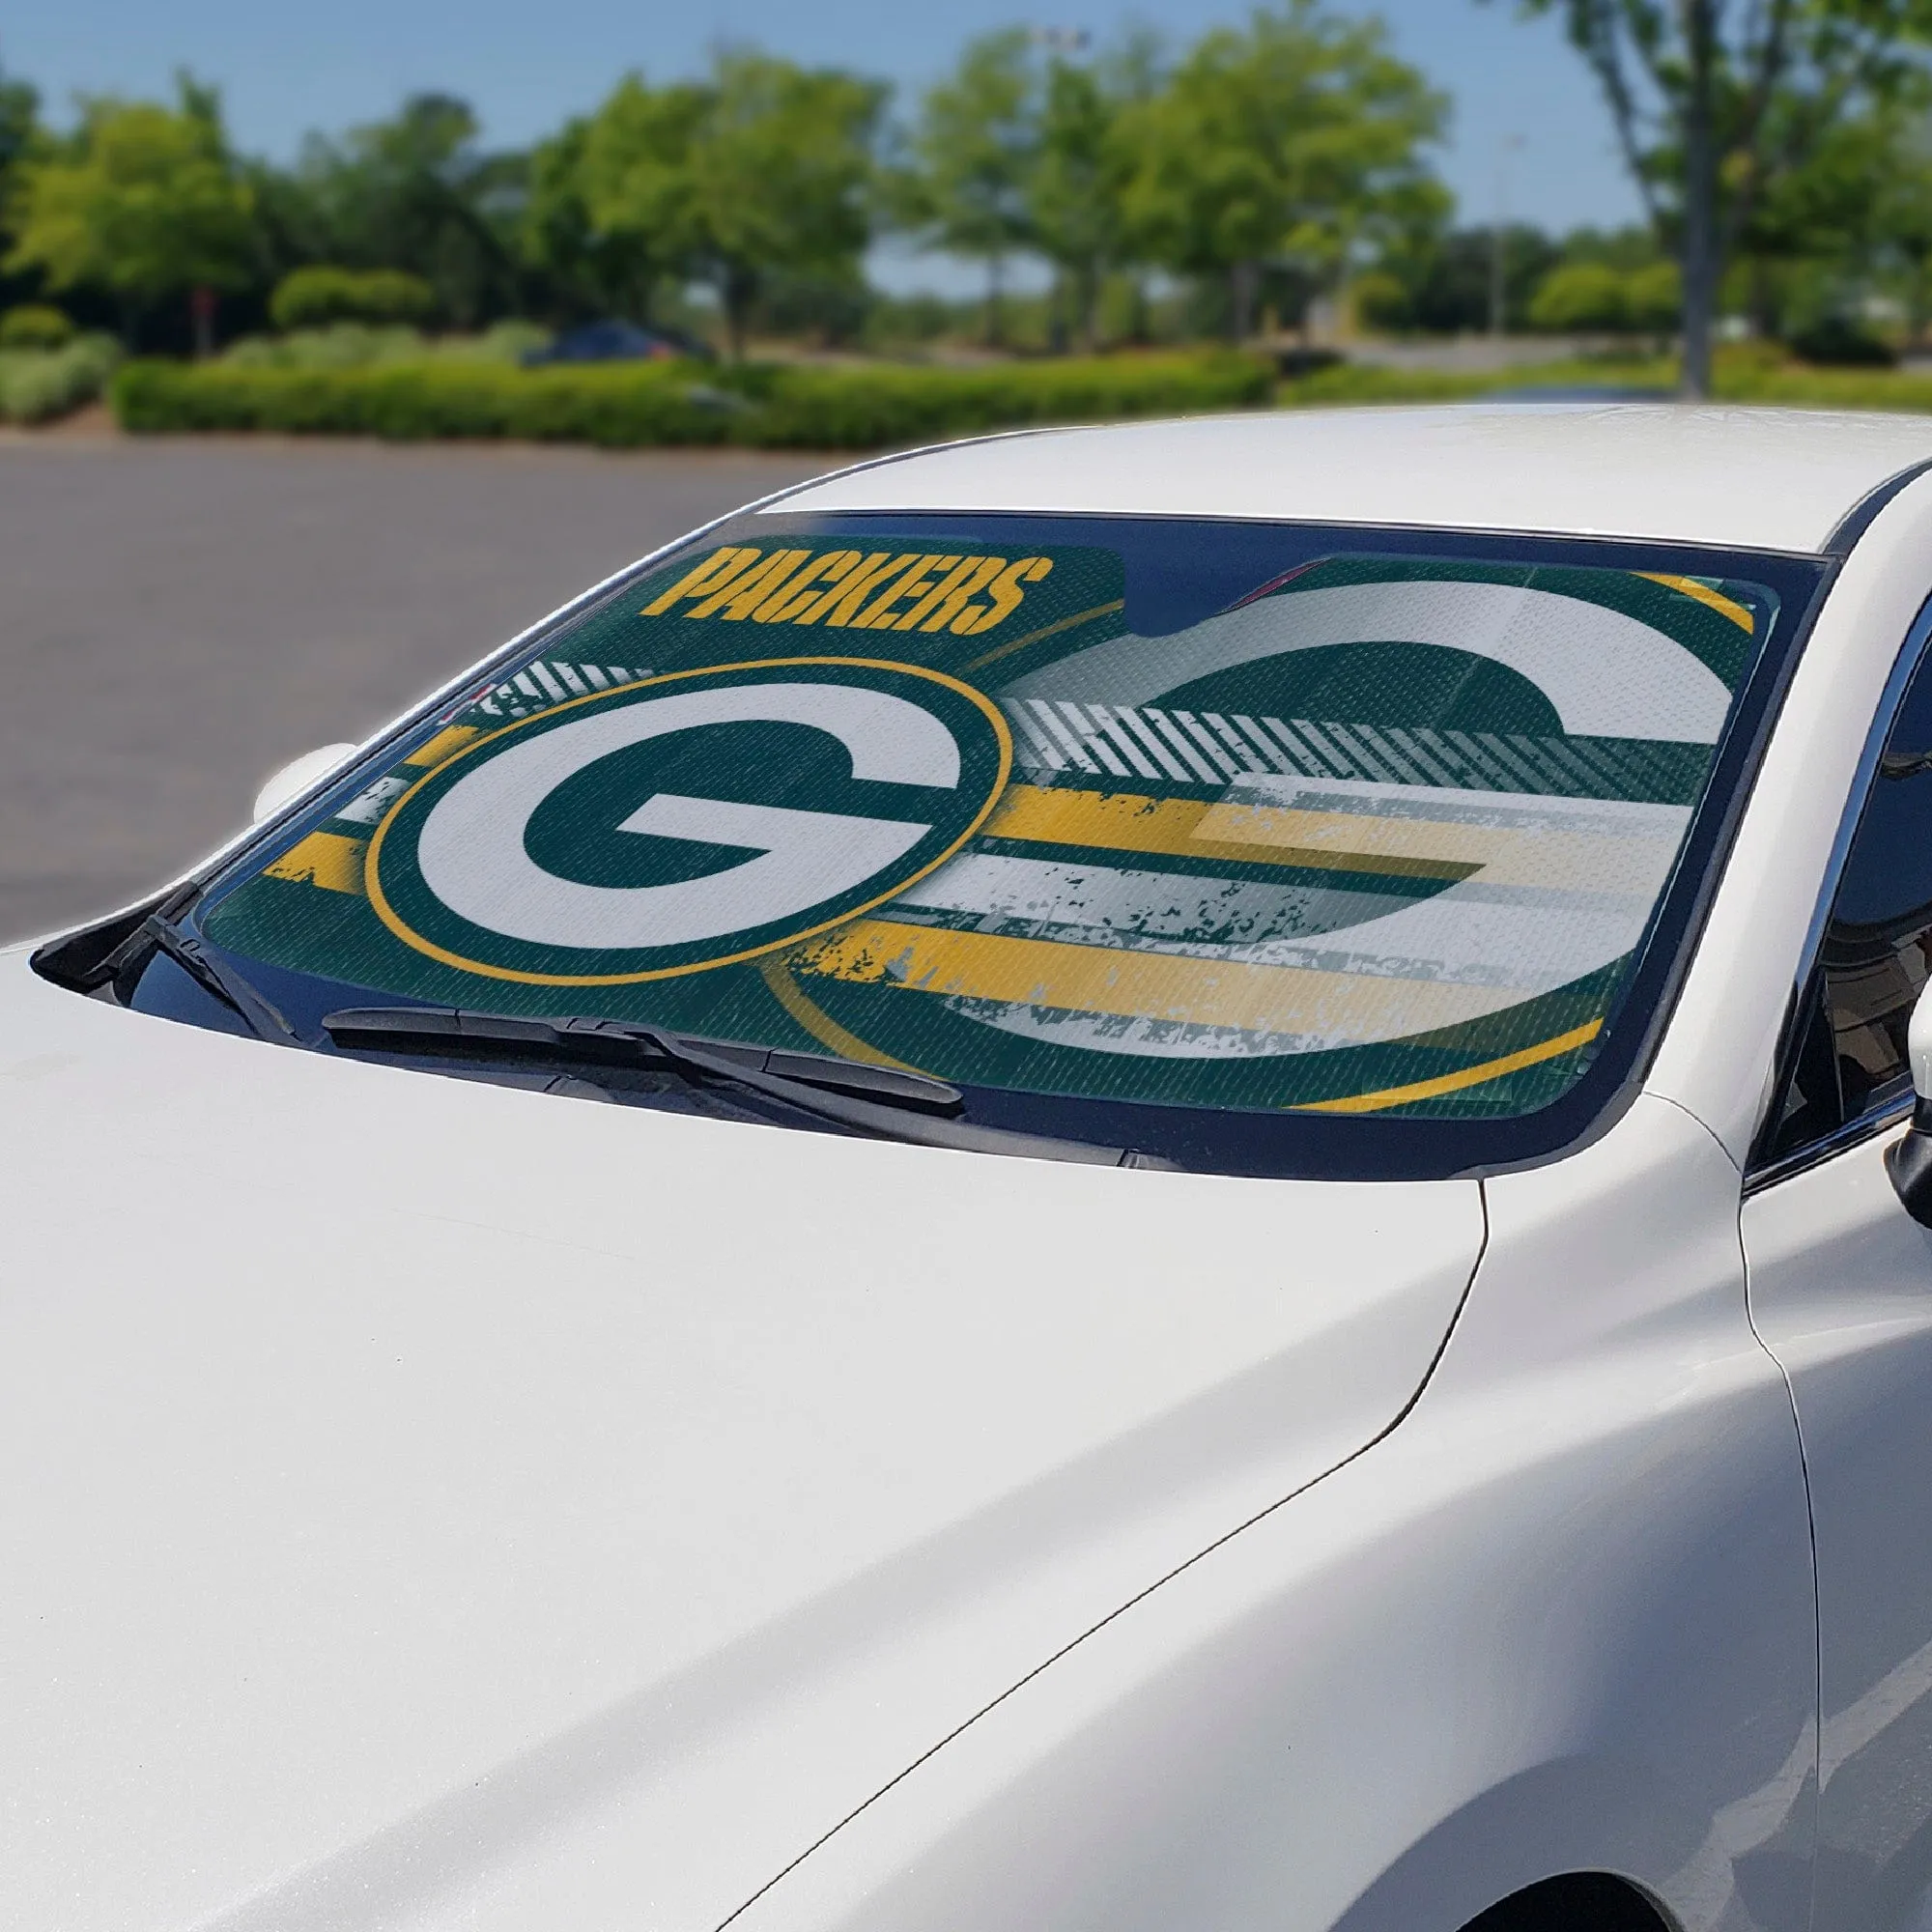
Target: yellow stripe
<point>1339,842</point>
<point>325,859</point>
<point>1048,631</point>
<point>817,1022</point>
<point>1175,987</point>
<point>1689,586</point>
<point>442,745</point>
<point>1250,835</point>
<point>1450,1083</point>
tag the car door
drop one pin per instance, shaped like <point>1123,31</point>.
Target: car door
<point>1841,1287</point>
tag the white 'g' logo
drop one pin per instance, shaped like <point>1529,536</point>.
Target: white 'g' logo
<point>472,851</point>
<point>463,850</point>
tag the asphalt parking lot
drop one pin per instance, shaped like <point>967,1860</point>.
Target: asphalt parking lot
<point>177,618</point>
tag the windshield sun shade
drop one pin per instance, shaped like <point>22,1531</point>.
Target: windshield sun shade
<point>1200,819</point>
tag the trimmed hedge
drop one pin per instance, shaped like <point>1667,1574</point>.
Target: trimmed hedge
<point>38,386</point>
<point>634,405</point>
<point>867,409</point>
<point>315,296</point>
<point>360,345</point>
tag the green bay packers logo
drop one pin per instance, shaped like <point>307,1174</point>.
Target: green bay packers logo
<point>688,822</point>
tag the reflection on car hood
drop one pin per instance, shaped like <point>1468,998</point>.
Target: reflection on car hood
<point>433,1503</point>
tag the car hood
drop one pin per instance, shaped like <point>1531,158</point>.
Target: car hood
<point>431,1504</point>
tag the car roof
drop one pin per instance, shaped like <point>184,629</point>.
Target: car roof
<point>1728,477</point>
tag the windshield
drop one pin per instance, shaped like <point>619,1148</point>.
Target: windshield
<point>1233,830</point>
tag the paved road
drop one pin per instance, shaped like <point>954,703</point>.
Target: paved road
<point>178,618</point>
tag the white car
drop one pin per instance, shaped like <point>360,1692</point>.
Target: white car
<point>1118,1180</point>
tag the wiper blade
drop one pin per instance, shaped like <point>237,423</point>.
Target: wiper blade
<point>890,1102</point>
<point>616,1043</point>
<point>206,968</point>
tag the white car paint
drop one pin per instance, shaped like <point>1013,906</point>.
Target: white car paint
<point>422,1484</point>
<point>1510,1639</point>
<point>439,1506</point>
<point>1769,479</point>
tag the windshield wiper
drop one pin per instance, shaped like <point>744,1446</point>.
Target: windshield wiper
<point>206,968</point>
<point>891,1102</point>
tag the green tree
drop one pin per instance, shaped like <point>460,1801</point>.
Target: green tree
<point>1653,298</point>
<point>1447,274</point>
<point>1853,219</point>
<point>613,197</point>
<point>596,223</point>
<point>20,136</point>
<point>142,200</point>
<point>973,151</point>
<point>1582,296</point>
<point>782,176</point>
<point>766,169</point>
<point>1293,141</point>
<point>416,192</point>
<point>1713,107</point>
<point>1899,216</point>
<point>1076,191</point>
<point>19,124</point>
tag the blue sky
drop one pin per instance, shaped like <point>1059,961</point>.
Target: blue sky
<point>284,70</point>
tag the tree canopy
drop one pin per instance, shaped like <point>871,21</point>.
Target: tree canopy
<point>1782,148</point>
<point>974,149</point>
<point>142,199</point>
<point>1294,137</point>
<point>1716,108</point>
<point>762,169</point>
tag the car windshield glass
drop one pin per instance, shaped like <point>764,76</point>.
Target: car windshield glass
<point>1221,822</point>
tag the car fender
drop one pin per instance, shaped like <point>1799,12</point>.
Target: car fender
<point>1559,1618</point>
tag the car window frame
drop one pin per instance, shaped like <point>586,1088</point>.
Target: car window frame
<point>1803,1006</point>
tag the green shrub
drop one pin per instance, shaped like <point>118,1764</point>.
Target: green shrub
<point>362,345</point>
<point>872,407</point>
<point>1350,383</point>
<point>507,341</point>
<point>1581,296</point>
<point>414,401</point>
<point>35,326</point>
<point>340,345</point>
<point>39,385</point>
<point>637,403</point>
<point>1653,298</point>
<point>1381,301</point>
<point>314,298</point>
<point>1842,342</point>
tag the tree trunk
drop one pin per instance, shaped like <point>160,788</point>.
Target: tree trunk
<point>740,288</point>
<point>1701,267</point>
<point>1087,307</point>
<point>996,326</point>
<point>201,309</point>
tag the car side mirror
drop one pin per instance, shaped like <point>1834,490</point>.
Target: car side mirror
<point>1909,1161</point>
<point>296,777</point>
